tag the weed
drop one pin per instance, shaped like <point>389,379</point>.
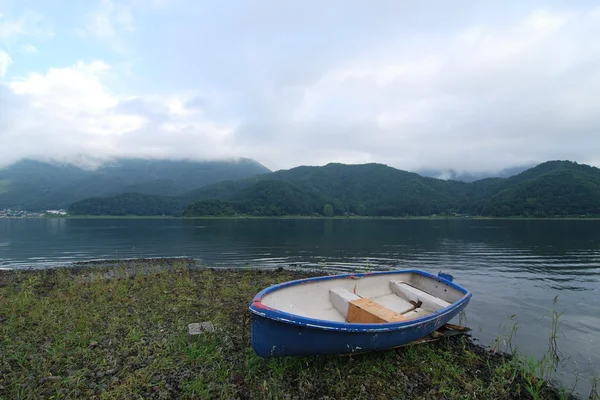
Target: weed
<point>553,352</point>
<point>462,317</point>
<point>508,329</point>
<point>594,394</point>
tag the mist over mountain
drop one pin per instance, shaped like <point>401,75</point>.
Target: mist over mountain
<point>38,185</point>
<point>466,176</point>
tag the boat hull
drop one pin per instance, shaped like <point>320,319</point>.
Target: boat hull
<point>277,334</point>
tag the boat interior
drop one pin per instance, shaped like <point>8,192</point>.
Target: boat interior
<point>373,298</point>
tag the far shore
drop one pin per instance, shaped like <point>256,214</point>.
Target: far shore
<point>337,217</point>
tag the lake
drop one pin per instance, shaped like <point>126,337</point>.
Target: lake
<point>513,267</point>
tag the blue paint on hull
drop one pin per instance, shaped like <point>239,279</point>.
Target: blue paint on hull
<point>276,333</point>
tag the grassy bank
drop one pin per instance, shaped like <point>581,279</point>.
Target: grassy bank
<point>120,331</point>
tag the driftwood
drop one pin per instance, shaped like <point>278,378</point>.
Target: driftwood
<point>445,331</point>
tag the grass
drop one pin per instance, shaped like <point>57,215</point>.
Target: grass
<point>120,331</point>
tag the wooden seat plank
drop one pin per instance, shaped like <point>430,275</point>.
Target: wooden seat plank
<point>366,311</point>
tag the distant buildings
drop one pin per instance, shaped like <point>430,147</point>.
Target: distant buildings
<point>56,212</point>
<point>8,213</point>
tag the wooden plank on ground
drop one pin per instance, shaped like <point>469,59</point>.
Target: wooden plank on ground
<point>365,311</point>
<point>458,327</point>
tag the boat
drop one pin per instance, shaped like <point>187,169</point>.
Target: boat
<point>353,313</point>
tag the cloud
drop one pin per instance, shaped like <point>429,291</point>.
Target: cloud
<point>5,61</point>
<point>476,87</point>
<point>69,112</point>
<point>29,49</point>
<point>482,99</point>
<point>109,21</point>
<point>29,24</point>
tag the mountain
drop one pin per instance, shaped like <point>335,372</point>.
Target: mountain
<point>554,188</point>
<point>129,204</point>
<point>264,197</point>
<point>35,185</point>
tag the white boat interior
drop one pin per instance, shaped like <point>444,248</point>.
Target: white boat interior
<point>383,297</point>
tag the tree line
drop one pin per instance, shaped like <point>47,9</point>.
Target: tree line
<point>552,189</point>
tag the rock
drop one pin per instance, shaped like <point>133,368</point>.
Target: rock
<point>29,357</point>
<point>50,379</point>
<point>93,344</point>
<point>196,329</point>
<point>109,371</point>
<point>99,374</point>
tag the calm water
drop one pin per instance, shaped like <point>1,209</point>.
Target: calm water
<point>512,267</point>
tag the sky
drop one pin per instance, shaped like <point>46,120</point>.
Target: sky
<point>465,85</point>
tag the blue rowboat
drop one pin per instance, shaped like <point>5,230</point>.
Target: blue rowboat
<point>352,313</point>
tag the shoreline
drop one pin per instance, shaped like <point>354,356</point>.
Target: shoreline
<point>309,217</point>
<point>118,327</point>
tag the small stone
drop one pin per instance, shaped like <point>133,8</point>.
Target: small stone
<point>93,344</point>
<point>29,357</point>
<point>99,374</point>
<point>196,329</point>
<point>53,378</point>
<point>109,371</point>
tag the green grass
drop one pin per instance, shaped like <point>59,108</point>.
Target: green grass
<point>119,331</point>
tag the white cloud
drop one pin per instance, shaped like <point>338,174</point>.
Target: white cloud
<point>29,49</point>
<point>474,88</point>
<point>483,99</point>
<point>109,20</point>
<point>5,61</point>
<point>29,24</point>
<point>70,111</point>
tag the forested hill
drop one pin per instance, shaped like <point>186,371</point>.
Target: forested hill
<point>34,185</point>
<point>554,188</point>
